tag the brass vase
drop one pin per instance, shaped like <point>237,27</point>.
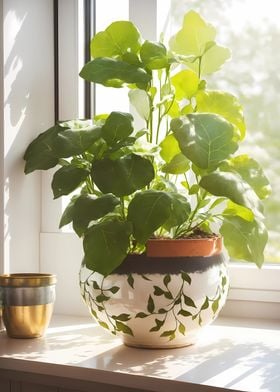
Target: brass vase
<point>27,301</point>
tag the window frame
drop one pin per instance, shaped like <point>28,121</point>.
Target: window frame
<point>249,285</point>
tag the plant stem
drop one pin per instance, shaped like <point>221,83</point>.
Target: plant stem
<point>122,207</point>
<point>199,66</point>
<point>193,214</point>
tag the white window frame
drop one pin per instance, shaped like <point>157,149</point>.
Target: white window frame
<point>254,292</point>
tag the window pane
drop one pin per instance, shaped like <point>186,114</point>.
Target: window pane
<point>108,99</point>
<point>251,30</point>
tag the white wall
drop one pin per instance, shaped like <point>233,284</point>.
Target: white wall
<point>28,110</point>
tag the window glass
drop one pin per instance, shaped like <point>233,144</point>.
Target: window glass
<point>251,30</point>
<point>108,99</point>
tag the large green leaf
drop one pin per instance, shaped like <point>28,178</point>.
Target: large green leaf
<point>197,39</point>
<point>232,186</point>
<point>154,55</point>
<point>40,154</point>
<point>211,61</point>
<point>206,139</point>
<point>233,209</point>
<point>114,73</point>
<point>169,148</point>
<point>147,211</point>
<point>106,245</point>
<point>251,172</point>
<point>67,216</point>
<point>186,84</point>
<point>75,141</point>
<point>193,36</point>
<point>179,164</point>
<point>180,210</point>
<point>117,126</point>
<point>224,104</point>
<point>67,179</point>
<point>122,176</point>
<point>118,38</point>
<point>140,100</point>
<point>244,240</point>
<point>88,208</point>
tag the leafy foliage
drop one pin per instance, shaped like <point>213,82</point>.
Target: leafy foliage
<point>179,173</point>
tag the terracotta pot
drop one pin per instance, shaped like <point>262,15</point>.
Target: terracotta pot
<point>165,247</point>
<point>160,301</point>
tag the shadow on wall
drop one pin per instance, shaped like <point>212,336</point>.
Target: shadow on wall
<point>28,108</point>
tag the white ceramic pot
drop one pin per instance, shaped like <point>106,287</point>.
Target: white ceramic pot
<point>158,302</point>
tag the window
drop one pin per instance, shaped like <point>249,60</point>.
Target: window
<point>251,30</point>
<point>61,252</point>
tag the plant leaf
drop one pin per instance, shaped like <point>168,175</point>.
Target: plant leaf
<point>186,277</point>
<point>102,298</point>
<point>105,246</point>
<point>151,305</point>
<point>168,295</point>
<point>179,164</point>
<point>40,154</point>
<point>186,84</point>
<point>167,333</point>
<point>88,208</point>
<point>205,304</point>
<point>180,210</point>
<point>154,55</point>
<point>166,280</point>
<point>116,40</point>
<point>251,172</point>
<point>67,179</point>
<point>147,211</point>
<point>233,209</point>
<point>244,240</point>
<point>233,187</point>
<point>197,39</point>
<point>103,324</point>
<point>118,126</point>
<point>141,315</point>
<point>205,139</point>
<point>169,148</point>
<point>75,141</point>
<point>67,215</point>
<point>140,100</point>
<point>184,313</point>
<point>114,289</point>
<point>130,281</point>
<point>122,176</point>
<point>114,73</point>
<point>215,304</point>
<point>224,104</point>
<point>182,329</point>
<point>122,317</point>
<point>189,302</point>
<point>158,291</point>
<point>124,328</point>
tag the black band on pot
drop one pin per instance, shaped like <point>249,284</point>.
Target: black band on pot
<point>141,264</point>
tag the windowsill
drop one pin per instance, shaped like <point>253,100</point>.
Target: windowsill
<point>232,354</point>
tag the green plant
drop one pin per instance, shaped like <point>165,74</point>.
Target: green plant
<point>178,175</point>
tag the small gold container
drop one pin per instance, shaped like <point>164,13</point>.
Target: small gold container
<point>27,301</point>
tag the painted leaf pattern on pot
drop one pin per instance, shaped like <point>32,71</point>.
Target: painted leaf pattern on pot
<point>180,308</point>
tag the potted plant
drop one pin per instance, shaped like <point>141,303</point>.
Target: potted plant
<point>151,205</point>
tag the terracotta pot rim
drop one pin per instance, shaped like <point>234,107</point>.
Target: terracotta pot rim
<point>168,247</point>
<point>212,238</point>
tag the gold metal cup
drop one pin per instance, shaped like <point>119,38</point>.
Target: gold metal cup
<point>27,303</point>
